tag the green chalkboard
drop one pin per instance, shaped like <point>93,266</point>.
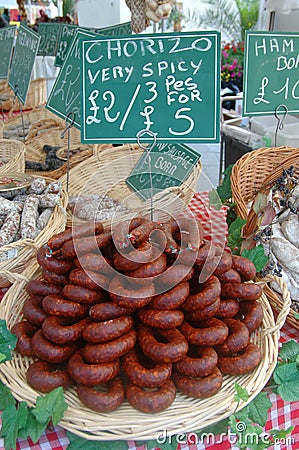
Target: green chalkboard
<point>7,37</point>
<point>22,62</point>
<point>170,166</point>
<point>166,83</point>
<point>65,96</point>
<point>271,66</point>
<point>49,33</point>
<point>115,30</point>
<point>67,32</point>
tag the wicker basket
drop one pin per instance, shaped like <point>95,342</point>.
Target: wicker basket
<point>21,252</point>
<point>106,173</point>
<point>185,414</point>
<point>14,151</point>
<point>250,171</point>
<point>1,129</point>
<point>37,95</point>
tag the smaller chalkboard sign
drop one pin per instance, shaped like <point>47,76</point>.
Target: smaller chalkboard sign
<point>49,33</point>
<point>67,32</point>
<point>115,30</point>
<point>22,62</point>
<point>7,37</point>
<point>170,166</point>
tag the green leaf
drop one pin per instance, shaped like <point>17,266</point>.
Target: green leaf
<point>6,397</point>
<point>287,378</point>
<point>282,434</point>
<point>13,419</point>
<point>234,234</point>
<point>219,428</point>
<point>296,316</point>
<point>33,428</point>
<point>241,393</point>
<point>260,203</point>
<point>258,408</point>
<point>289,351</point>
<point>224,190</point>
<point>79,443</point>
<point>50,406</point>
<point>257,256</point>
<point>8,341</point>
<point>215,200</point>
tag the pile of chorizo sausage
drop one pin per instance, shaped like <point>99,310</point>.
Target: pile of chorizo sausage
<point>138,313</point>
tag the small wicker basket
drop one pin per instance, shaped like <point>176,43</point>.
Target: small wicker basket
<point>37,95</point>
<point>19,253</point>
<point>14,152</point>
<point>106,173</point>
<point>184,415</point>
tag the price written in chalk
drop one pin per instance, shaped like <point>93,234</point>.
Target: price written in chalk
<point>67,32</point>
<point>7,37</point>
<point>49,33</point>
<point>271,66</point>
<point>167,84</point>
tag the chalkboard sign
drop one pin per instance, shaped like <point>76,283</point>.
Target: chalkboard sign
<point>168,84</point>
<point>116,30</point>
<point>7,37</point>
<point>67,32</point>
<point>22,62</point>
<point>170,166</point>
<point>65,96</point>
<point>49,33</point>
<point>271,72</point>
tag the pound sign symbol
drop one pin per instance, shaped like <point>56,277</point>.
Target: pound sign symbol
<point>148,110</point>
<point>94,108</point>
<point>260,97</point>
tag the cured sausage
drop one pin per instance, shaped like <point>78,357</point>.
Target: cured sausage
<point>161,319</point>
<point>237,339</point>
<point>56,241</point>
<point>245,362</point>
<point>24,332</point>
<point>175,347</point>
<point>199,362</point>
<point>251,314</point>
<point>207,334</point>
<point>204,314</point>
<point>91,374</point>
<point>107,311</point>
<point>151,401</point>
<point>172,298</point>
<point>94,262</point>
<point>72,248</point>
<point>47,351</point>
<point>123,293</point>
<point>241,291</point>
<point>224,264</point>
<point>60,331</point>
<point>200,387</point>
<point>52,264</point>
<point>174,275</point>
<point>167,239</point>
<point>139,234</point>
<point>228,307</point>
<point>41,288</point>
<point>244,266</point>
<point>33,311</point>
<point>103,353</point>
<point>45,377</point>
<point>134,259</point>
<point>122,231</point>
<point>101,401</point>
<point>100,332</point>
<point>90,280</point>
<point>58,306</point>
<point>207,293</point>
<point>55,278</point>
<point>145,374</point>
<point>206,252</point>
<point>148,270</point>
<point>231,276</point>
<point>82,295</point>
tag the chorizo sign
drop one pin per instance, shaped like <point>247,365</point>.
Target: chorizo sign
<point>168,84</point>
<point>271,67</point>
<point>170,166</point>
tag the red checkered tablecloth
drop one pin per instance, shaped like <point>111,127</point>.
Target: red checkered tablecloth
<point>282,414</point>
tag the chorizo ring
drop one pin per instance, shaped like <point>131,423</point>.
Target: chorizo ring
<point>148,270</point>
<point>100,401</point>
<point>251,314</point>
<point>45,377</point>
<point>151,401</point>
<point>207,293</point>
<point>90,280</point>
<point>24,332</point>
<point>107,311</point>
<point>245,362</point>
<point>174,349</point>
<point>52,264</point>
<point>134,259</point>
<point>101,332</point>
<point>228,308</point>
<point>171,299</point>
<point>91,374</point>
<point>199,362</point>
<point>94,262</point>
<point>241,291</point>
<point>208,334</point>
<point>244,266</point>
<point>41,288</point>
<point>55,278</point>
<point>161,319</point>
<point>73,248</point>
<point>56,241</point>
<point>55,305</point>
<point>200,387</point>
<point>82,295</point>
<point>204,314</point>
<point>33,311</point>
<point>141,233</point>
<point>174,275</point>
<point>237,339</point>
<point>47,351</point>
<point>148,374</point>
<point>231,276</point>
<point>60,331</point>
<point>121,232</point>
<point>125,295</point>
<point>103,353</point>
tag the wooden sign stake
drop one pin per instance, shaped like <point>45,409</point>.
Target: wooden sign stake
<point>68,126</point>
<point>280,120</point>
<point>148,150</point>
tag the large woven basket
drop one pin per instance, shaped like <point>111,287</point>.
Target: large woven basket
<point>21,252</point>
<point>14,152</point>
<point>250,171</point>
<point>185,414</point>
<point>106,173</point>
<point>1,129</point>
<point>37,95</point>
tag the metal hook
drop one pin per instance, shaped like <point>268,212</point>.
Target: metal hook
<point>141,133</point>
<point>68,124</point>
<point>280,120</point>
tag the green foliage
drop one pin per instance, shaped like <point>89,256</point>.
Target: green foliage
<point>257,256</point>
<point>8,342</point>
<point>241,393</point>
<point>286,373</point>
<point>79,443</point>
<point>235,239</point>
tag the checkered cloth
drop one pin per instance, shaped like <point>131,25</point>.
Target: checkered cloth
<point>282,414</point>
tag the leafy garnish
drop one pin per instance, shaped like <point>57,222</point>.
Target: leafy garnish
<point>257,256</point>
<point>241,393</point>
<point>289,351</point>
<point>286,376</point>
<point>13,419</point>
<point>6,397</point>
<point>215,200</point>
<point>8,342</point>
<point>50,407</point>
<point>235,239</point>
<point>224,190</point>
<point>79,443</point>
